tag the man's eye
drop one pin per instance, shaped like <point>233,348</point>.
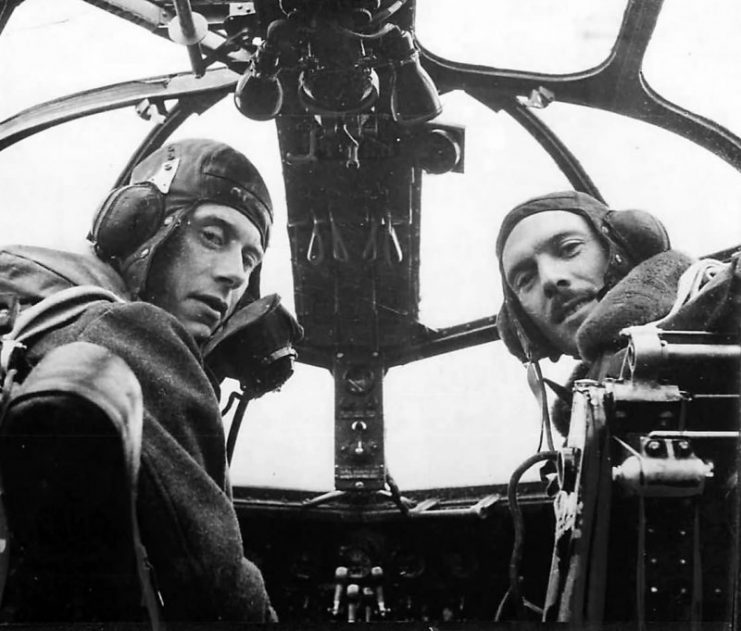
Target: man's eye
<point>249,262</point>
<point>213,235</point>
<point>523,280</point>
<point>570,248</point>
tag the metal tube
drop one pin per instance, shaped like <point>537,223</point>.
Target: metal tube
<point>185,16</point>
<point>676,352</point>
<point>190,34</point>
<point>691,434</point>
<point>196,59</point>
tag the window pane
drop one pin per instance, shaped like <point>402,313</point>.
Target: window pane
<point>693,58</point>
<point>462,212</point>
<point>459,419</point>
<point>53,182</point>
<point>287,437</point>
<point>552,36</point>
<point>636,165</point>
<point>51,48</point>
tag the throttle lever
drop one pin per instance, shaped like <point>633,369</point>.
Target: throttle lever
<point>377,576</point>
<point>340,580</point>
<point>353,598</point>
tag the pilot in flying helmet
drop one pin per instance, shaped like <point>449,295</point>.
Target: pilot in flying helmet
<point>575,273</point>
<point>119,377</point>
<point>135,221</point>
<point>143,228</point>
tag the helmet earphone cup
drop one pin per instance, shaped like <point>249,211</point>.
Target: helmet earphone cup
<point>637,232</point>
<point>129,216</point>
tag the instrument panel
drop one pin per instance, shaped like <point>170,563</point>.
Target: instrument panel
<point>364,566</point>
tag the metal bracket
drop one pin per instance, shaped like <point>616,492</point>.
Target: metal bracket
<point>665,467</point>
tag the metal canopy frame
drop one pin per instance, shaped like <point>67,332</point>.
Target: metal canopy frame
<point>617,85</point>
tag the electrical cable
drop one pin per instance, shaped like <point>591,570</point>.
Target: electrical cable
<point>519,527</point>
<point>537,385</point>
<point>500,608</point>
<point>381,32</point>
<point>386,13</point>
<point>525,601</point>
<point>398,499</point>
<point>231,441</point>
<point>230,401</point>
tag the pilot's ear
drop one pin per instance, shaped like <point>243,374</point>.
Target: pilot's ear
<point>638,233</point>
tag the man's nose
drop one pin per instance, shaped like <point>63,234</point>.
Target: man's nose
<point>230,268</point>
<point>554,276</point>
